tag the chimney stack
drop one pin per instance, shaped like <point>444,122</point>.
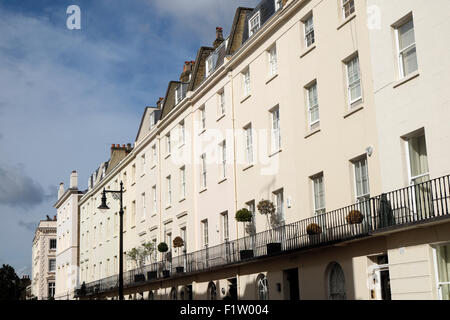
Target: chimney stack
<point>187,71</point>
<point>61,190</point>
<point>74,180</point>
<point>219,37</point>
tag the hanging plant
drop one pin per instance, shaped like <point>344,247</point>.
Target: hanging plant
<point>355,217</point>
<point>178,242</point>
<point>313,229</point>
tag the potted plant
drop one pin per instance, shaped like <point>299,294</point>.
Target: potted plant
<point>139,256</point>
<point>163,248</point>
<point>177,244</point>
<point>313,230</point>
<point>355,217</point>
<point>135,255</point>
<point>244,216</point>
<point>267,208</point>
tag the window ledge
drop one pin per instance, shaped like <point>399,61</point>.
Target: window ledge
<point>347,20</point>
<point>353,111</point>
<point>142,221</point>
<point>248,167</point>
<point>222,180</point>
<point>153,215</point>
<point>133,184</point>
<point>132,227</point>
<point>167,155</point>
<point>182,199</point>
<point>274,153</point>
<point>271,78</point>
<point>220,117</point>
<point>142,175</point>
<point>308,50</point>
<point>168,207</point>
<point>246,98</point>
<point>153,167</point>
<point>406,79</point>
<point>203,190</point>
<point>312,132</point>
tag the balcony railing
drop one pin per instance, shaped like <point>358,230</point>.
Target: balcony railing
<point>420,203</point>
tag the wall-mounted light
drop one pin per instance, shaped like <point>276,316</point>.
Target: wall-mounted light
<point>369,151</point>
<point>279,287</point>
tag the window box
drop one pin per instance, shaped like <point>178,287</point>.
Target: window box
<point>179,269</point>
<point>246,254</point>
<point>273,248</point>
<point>151,275</point>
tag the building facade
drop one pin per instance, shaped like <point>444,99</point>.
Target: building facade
<point>43,265</point>
<point>67,273</point>
<point>309,105</point>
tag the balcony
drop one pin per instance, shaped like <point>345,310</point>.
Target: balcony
<point>418,204</point>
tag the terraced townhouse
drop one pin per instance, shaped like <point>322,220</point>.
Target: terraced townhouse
<point>336,112</point>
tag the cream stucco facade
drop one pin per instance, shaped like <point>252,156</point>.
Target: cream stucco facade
<point>44,260</point>
<point>188,188</point>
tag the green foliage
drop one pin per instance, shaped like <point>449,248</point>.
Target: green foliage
<point>244,215</point>
<point>266,207</point>
<point>178,242</point>
<point>163,247</point>
<point>10,284</point>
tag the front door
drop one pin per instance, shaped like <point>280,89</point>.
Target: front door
<point>291,287</point>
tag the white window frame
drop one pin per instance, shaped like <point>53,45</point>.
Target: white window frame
<point>168,144</point>
<point>202,116</point>
<point>309,31</point>
<point>350,4</point>
<point>313,105</point>
<point>279,203</point>
<point>152,120</point>
<point>182,182</point>
<point>364,196</point>
<point>182,133</point>
<point>273,60</point>
<point>223,159</point>
<point>254,23</point>
<point>248,144</point>
<point>246,88</point>
<point>355,83</point>
<point>154,155</point>
<point>205,235</point>
<point>436,270</point>
<point>315,180</point>
<point>275,129</point>
<point>155,200</point>
<point>222,102</point>
<point>278,4</point>
<point>144,207</point>
<point>412,178</point>
<point>203,171</point>
<point>225,226</point>
<point>169,190</point>
<point>143,162</point>
<point>407,49</point>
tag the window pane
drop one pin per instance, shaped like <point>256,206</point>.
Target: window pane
<point>409,61</point>
<point>418,156</point>
<point>406,35</point>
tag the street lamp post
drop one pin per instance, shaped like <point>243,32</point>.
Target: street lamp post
<point>117,195</point>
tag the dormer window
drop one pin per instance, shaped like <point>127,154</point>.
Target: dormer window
<point>254,24</point>
<point>278,4</point>
<point>152,120</point>
<point>211,63</point>
<point>180,93</point>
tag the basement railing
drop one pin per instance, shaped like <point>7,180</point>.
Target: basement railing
<point>417,204</point>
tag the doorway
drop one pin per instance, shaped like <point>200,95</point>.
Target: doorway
<point>291,287</point>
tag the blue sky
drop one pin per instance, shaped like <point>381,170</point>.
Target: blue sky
<point>67,95</point>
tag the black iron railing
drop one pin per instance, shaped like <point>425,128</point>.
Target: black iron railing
<point>415,204</point>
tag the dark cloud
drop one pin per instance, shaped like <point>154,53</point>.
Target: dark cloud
<point>19,190</point>
<point>30,226</point>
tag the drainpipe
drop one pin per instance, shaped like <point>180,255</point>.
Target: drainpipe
<point>230,75</point>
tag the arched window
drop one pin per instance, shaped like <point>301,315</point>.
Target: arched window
<point>212,291</point>
<point>262,287</point>
<point>151,295</point>
<point>336,282</point>
<point>184,293</point>
<point>173,294</point>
